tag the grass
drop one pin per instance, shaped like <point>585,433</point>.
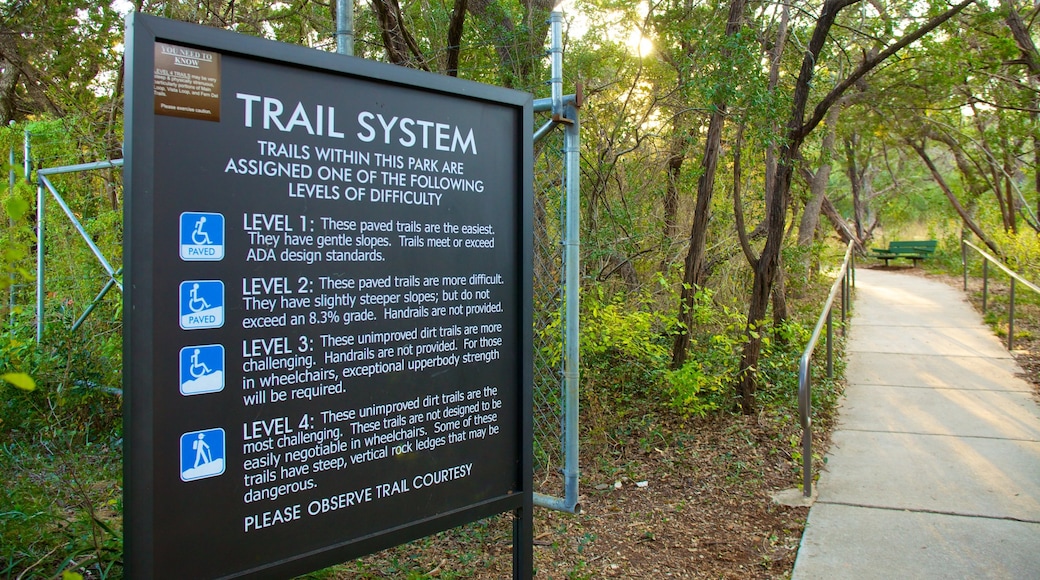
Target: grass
<point>62,508</point>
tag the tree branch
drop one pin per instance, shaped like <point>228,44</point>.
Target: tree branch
<point>868,64</point>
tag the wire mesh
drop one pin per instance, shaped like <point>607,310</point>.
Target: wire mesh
<point>548,311</point>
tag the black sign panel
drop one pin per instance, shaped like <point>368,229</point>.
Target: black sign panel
<point>328,304</point>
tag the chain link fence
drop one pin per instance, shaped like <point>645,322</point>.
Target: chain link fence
<point>548,311</point>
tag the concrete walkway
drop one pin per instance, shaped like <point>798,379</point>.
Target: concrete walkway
<point>934,469</point>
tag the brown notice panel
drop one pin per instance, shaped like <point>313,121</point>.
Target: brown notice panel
<point>187,82</point>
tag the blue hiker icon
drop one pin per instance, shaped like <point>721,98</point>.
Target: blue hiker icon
<point>202,454</point>
<point>202,369</point>
<point>201,304</point>
<point>202,236</point>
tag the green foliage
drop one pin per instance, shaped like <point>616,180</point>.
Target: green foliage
<point>705,381</point>
<point>1021,252</point>
<point>626,352</point>
<point>20,380</point>
<point>623,342</point>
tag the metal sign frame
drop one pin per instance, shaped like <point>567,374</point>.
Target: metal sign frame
<point>149,330</point>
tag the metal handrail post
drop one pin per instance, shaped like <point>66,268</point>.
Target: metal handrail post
<point>844,298</point>
<point>1011,318</point>
<point>804,369</point>
<point>852,266</point>
<point>804,412</point>
<point>830,344</point>
<point>964,264</point>
<point>985,284</point>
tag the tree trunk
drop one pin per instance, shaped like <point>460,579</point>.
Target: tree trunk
<point>455,28</point>
<point>398,42</point>
<point>676,157</point>
<point>1031,58</point>
<point>818,185</point>
<point>774,79</point>
<point>841,227</point>
<point>856,183</point>
<point>694,264</point>
<point>769,261</point>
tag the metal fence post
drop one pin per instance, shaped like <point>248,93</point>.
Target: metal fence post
<point>10,223</point>
<point>565,113</point>
<point>345,27</point>
<point>40,250</point>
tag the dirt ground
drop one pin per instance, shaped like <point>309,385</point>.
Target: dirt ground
<point>674,500</point>
<point>689,501</point>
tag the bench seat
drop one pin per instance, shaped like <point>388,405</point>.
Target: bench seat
<point>907,249</point>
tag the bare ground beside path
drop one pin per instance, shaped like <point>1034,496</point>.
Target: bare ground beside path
<point>677,501</point>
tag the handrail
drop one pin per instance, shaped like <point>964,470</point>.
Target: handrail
<point>846,280</point>
<point>985,284</point>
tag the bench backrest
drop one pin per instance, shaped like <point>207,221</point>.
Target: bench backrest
<point>922,246</point>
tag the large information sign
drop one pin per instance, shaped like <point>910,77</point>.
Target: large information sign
<point>327,304</point>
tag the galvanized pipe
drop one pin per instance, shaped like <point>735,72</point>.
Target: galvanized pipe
<point>964,263</point>
<point>556,62</point>
<point>97,299</point>
<point>345,27</point>
<point>544,130</point>
<point>26,158</point>
<point>545,105</point>
<point>852,266</point>
<point>39,261</point>
<point>804,410</point>
<point>572,256</point>
<point>565,112</point>
<point>79,228</point>
<point>80,167</point>
<point>844,299</point>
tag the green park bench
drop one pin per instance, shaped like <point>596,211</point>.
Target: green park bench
<point>911,250</point>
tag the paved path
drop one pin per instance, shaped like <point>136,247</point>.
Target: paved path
<point>934,469</point>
